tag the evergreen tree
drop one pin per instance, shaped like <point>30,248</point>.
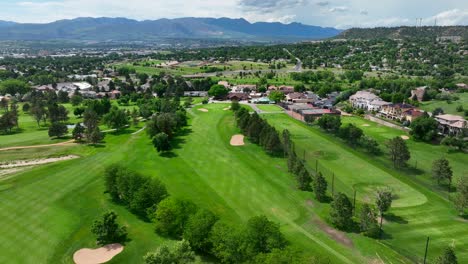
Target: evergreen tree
<point>398,151</point>
<point>341,212</point>
<point>368,221</point>
<point>448,257</point>
<point>108,230</point>
<point>319,185</point>
<point>441,170</point>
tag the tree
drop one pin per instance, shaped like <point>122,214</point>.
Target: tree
<point>384,200</point>
<point>95,136</point>
<point>26,107</point>
<point>341,212</point>
<point>424,128</point>
<point>276,96</point>
<point>161,142</point>
<point>461,199</point>
<point>370,145</point>
<point>116,118</point>
<point>165,122</point>
<point>14,86</point>
<point>57,129</point>
<point>229,243</point>
<point>441,170</point>
<point>38,113</point>
<point>303,177</point>
<point>287,143</point>
<point>398,151</point>
<point>76,99</point>
<point>448,257</point>
<point>79,111</point>
<point>172,215</point>
<point>108,231</point>
<point>62,97</point>
<point>179,253</point>
<point>368,221</point>
<point>218,91</point>
<point>330,123</point>
<point>351,133</point>
<point>263,235</point>
<point>78,132</point>
<point>319,185</point>
<point>147,196</point>
<point>235,105</point>
<point>91,122</point>
<point>457,142</point>
<point>198,228</point>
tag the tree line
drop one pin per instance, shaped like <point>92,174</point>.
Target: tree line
<point>201,230</point>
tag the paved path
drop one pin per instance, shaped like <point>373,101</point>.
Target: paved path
<point>385,123</point>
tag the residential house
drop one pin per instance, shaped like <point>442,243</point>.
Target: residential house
<point>238,96</point>
<point>451,125</point>
<point>411,114</point>
<point>195,93</point>
<point>395,111</point>
<point>367,101</point>
<point>419,93</point>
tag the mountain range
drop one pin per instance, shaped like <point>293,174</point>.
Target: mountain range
<point>123,29</point>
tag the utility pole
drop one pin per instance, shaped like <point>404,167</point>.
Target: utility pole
<point>425,253</point>
<point>333,184</point>
<point>354,202</point>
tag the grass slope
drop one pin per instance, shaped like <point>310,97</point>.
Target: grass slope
<point>47,212</point>
<point>423,210</point>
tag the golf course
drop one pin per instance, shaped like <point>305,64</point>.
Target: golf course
<point>47,210</point>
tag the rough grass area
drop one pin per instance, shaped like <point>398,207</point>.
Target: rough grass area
<point>269,108</point>
<point>449,108</point>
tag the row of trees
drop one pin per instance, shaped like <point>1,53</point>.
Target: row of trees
<point>201,229</point>
<point>259,131</point>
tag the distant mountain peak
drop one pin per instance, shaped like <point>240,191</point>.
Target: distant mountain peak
<point>124,29</point>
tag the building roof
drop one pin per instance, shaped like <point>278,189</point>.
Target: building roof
<point>365,95</point>
<point>448,117</point>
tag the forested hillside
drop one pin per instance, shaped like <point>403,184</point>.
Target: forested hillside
<point>404,32</point>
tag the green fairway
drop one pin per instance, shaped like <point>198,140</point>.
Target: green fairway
<point>269,108</point>
<point>449,108</point>
<point>48,210</point>
<point>351,171</point>
<point>410,222</point>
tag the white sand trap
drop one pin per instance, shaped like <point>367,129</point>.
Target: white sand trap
<point>203,110</point>
<point>405,137</point>
<point>227,108</point>
<point>96,256</point>
<point>365,125</point>
<point>24,163</point>
<point>237,140</point>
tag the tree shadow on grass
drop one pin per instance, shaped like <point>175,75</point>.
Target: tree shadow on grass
<point>98,145</point>
<point>120,132</point>
<point>168,154</point>
<point>395,218</point>
<point>385,235</point>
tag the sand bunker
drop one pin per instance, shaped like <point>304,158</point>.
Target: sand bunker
<point>24,163</point>
<point>202,109</point>
<point>365,125</point>
<point>227,108</point>
<point>96,256</point>
<point>237,140</point>
<point>405,137</point>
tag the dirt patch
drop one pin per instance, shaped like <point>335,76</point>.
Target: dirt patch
<point>237,140</point>
<point>336,235</point>
<point>25,163</point>
<point>365,125</point>
<point>96,256</point>
<point>202,110</point>
<point>40,146</point>
<point>4,173</point>
<point>309,203</point>
<point>405,137</point>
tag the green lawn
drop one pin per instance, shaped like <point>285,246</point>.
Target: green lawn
<point>448,108</point>
<point>47,211</point>
<point>421,209</point>
<point>269,108</point>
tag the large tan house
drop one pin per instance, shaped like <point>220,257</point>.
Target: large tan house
<point>451,125</point>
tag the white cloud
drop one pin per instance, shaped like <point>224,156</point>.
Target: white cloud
<point>338,9</point>
<point>342,13</point>
<point>449,18</point>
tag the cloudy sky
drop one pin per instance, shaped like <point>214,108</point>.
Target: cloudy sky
<point>333,13</point>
